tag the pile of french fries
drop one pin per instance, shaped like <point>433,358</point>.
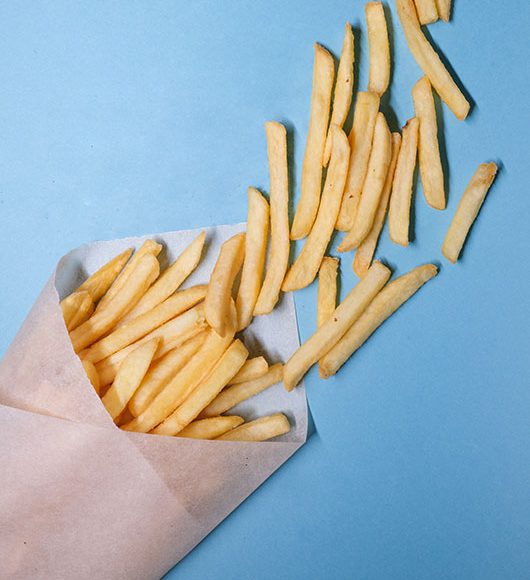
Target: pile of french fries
<point>170,361</point>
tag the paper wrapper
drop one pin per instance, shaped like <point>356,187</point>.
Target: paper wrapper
<point>82,499</point>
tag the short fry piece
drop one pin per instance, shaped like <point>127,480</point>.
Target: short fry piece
<point>444,9</point>
<point>382,307</point>
<point>346,313</point>
<point>306,212</point>
<point>252,369</point>
<point>401,198</point>
<point>427,11</point>
<point>467,210</point>
<point>210,428</point>
<point>97,284</point>
<point>255,252</point>
<point>306,265</point>
<point>261,429</point>
<point>378,47</point>
<point>327,289</point>
<point>92,374</point>
<point>77,308</point>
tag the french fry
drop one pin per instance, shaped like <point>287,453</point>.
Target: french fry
<point>129,377</point>
<point>365,252</point>
<point>261,429</point>
<point>427,11</point>
<point>327,289</point>
<point>378,47</point>
<point>467,210</point>
<point>101,322</point>
<point>444,9</point>
<point>360,137</point>
<point>235,394</point>
<point>144,324</point>
<point>401,198</point>
<point>252,369</point>
<point>342,97</point>
<point>231,361</point>
<point>77,308</point>
<point>382,307</point>
<point>429,61</point>
<point>279,199</point>
<point>210,428</point>
<point>306,265</point>
<point>92,375</point>
<point>431,171</point>
<point>373,186</point>
<point>124,417</point>
<point>219,293</point>
<point>255,252</point>
<point>325,337</point>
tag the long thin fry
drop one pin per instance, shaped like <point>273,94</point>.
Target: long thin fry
<point>427,11</point>
<point>383,305</point>
<point>379,48</point>
<point>77,308</point>
<point>467,210</point>
<point>252,369</point>
<point>261,429</point>
<point>92,375</point>
<point>306,211</point>
<point>210,428</point>
<point>327,290</point>
<point>334,329</point>
<point>444,9</point>
<point>305,268</point>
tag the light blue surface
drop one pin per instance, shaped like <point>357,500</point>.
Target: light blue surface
<point>122,118</point>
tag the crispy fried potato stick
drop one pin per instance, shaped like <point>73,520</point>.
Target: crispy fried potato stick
<point>360,138</point>
<point>343,88</point>
<point>124,417</point>
<point>432,175</point>
<point>279,199</point>
<point>92,374</point>
<point>306,212</point>
<point>259,430</point>
<point>210,428</point>
<point>365,252</point>
<point>77,308</point>
<point>382,307</point>
<point>346,313</point>
<point>255,252</point>
<point>467,210</point>
<point>427,11</point>
<point>379,48</point>
<point>444,9</point>
<point>327,289</point>
<point>373,186</point>
<point>429,61</point>
<point>306,265</point>
<point>401,198</point>
<point>252,369</point>
<point>129,377</point>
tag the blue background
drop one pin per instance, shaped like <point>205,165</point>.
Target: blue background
<point>123,118</point>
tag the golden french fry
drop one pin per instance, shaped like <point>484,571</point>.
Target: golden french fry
<point>219,293</point>
<point>252,369</point>
<point>379,48</point>
<point>77,308</point>
<point>360,137</point>
<point>124,417</point>
<point>231,361</point>
<point>327,290</point>
<point>365,252</point>
<point>373,186</point>
<point>101,322</point>
<point>444,9</point>
<point>306,212</point>
<point>255,252</point>
<point>382,307</point>
<point>467,210</point>
<point>259,430</point>
<point>432,175</point>
<point>210,428</point>
<point>427,11</point>
<point>429,61</point>
<point>306,265</point>
<point>343,88</point>
<point>401,198</point>
<point>279,199</point>
<point>92,375</point>
<point>129,377</point>
<point>325,337</point>
<point>235,394</point>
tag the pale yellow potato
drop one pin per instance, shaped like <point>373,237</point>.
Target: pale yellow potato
<point>467,210</point>
<point>401,198</point>
<point>232,396</point>
<point>229,364</point>
<point>129,377</point>
<point>378,47</point>
<point>444,9</point>
<point>306,212</point>
<point>360,137</point>
<point>210,428</point>
<point>92,375</point>
<point>77,308</point>
<point>327,289</point>
<point>429,61</point>
<point>219,293</point>
<point>306,265</point>
<point>365,252</point>
<point>101,322</point>
<point>325,337</point>
<point>426,11</point>
<point>252,369</point>
<point>260,429</point>
<point>343,93</point>
<point>432,175</point>
<point>373,186</point>
<point>255,252</point>
<point>391,297</point>
<point>279,202</point>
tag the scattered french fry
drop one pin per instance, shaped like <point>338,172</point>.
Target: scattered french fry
<point>92,375</point>
<point>210,428</point>
<point>444,9</point>
<point>467,210</point>
<point>379,48</point>
<point>77,308</point>
<point>259,430</point>
<point>252,369</point>
<point>327,289</point>
<point>427,11</point>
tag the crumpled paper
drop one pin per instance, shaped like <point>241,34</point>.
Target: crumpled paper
<point>82,499</point>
